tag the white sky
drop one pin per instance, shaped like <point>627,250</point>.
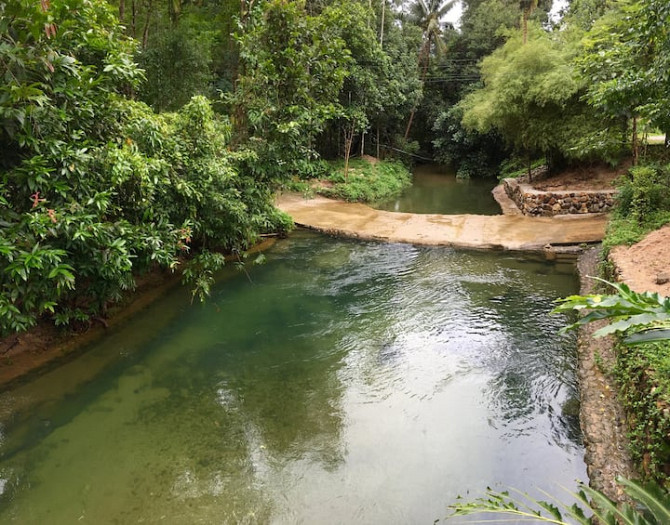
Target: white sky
<point>454,15</point>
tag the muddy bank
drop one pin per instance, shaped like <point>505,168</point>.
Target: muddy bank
<point>601,415</point>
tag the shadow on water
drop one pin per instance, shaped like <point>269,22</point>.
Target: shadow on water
<point>349,383</point>
<point>435,189</point>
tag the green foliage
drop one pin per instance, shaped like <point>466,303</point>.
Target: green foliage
<point>94,187</point>
<point>517,167</point>
<point>532,96</point>
<point>294,67</point>
<point>643,205</point>
<point>644,192</point>
<point>626,61</point>
<point>473,154</point>
<point>367,182</point>
<point>199,273</point>
<point>178,66</point>
<point>641,317</point>
<point>642,367</point>
<point>643,373</point>
<point>652,507</point>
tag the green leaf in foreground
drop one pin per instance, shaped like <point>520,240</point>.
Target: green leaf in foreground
<point>642,317</point>
<point>652,507</point>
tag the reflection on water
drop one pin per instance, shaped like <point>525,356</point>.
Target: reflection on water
<point>437,190</point>
<point>349,383</point>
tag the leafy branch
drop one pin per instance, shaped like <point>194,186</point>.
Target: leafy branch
<point>641,317</point>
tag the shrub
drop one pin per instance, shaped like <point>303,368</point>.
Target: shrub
<point>367,182</point>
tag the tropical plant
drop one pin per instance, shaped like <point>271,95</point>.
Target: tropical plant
<point>95,187</point>
<point>532,96</point>
<point>652,507</point>
<point>626,64</point>
<point>294,67</point>
<point>428,15</point>
<point>641,317</point>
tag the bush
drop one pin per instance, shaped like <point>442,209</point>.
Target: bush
<point>643,205</point>
<point>93,194</point>
<point>643,373</point>
<point>367,182</point>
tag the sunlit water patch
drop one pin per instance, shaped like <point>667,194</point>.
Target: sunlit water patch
<point>345,383</point>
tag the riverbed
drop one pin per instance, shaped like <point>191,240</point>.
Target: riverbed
<point>341,382</point>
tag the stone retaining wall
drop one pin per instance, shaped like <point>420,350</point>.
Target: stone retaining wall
<point>535,202</point>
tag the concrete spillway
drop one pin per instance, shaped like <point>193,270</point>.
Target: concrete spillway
<point>489,232</point>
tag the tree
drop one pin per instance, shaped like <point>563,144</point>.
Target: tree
<point>427,14</point>
<point>295,65</point>
<point>527,8</point>
<point>532,96</point>
<point>95,187</point>
<point>627,64</point>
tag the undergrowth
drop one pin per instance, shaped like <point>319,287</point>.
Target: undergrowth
<point>643,205</point>
<point>366,182</point>
<point>518,167</point>
<point>643,372</point>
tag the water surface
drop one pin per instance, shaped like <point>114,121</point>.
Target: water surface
<point>347,382</point>
<point>436,189</point>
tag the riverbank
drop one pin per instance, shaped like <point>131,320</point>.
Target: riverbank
<point>45,346</point>
<point>602,419</point>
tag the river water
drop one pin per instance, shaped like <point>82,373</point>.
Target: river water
<point>436,189</point>
<point>341,382</point>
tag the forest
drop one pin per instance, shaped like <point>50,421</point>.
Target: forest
<point>147,134</point>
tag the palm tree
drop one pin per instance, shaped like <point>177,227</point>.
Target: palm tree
<point>527,7</point>
<point>427,15</point>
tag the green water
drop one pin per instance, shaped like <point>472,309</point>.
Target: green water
<point>346,383</point>
<point>437,190</point>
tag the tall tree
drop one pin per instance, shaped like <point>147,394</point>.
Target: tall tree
<point>533,96</point>
<point>627,63</point>
<point>428,15</point>
<point>527,8</point>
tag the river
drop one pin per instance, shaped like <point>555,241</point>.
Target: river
<point>341,382</point>
<point>436,189</point>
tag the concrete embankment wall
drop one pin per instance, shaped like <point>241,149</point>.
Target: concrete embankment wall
<point>602,417</point>
<point>547,203</point>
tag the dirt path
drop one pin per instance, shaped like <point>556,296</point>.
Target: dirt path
<point>645,266</point>
<point>489,232</point>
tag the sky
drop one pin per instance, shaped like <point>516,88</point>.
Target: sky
<point>454,15</point>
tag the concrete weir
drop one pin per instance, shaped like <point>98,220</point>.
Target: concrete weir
<point>485,232</point>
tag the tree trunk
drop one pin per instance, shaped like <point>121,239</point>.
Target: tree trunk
<point>526,14</point>
<point>122,10</point>
<point>145,31</point>
<point>348,141</point>
<point>426,51</point>
<point>377,141</point>
<point>133,19</point>
<point>636,150</point>
<point>381,30</point>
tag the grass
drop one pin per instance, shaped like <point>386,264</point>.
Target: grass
<point>366,182</point>
<point>626,230</point>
